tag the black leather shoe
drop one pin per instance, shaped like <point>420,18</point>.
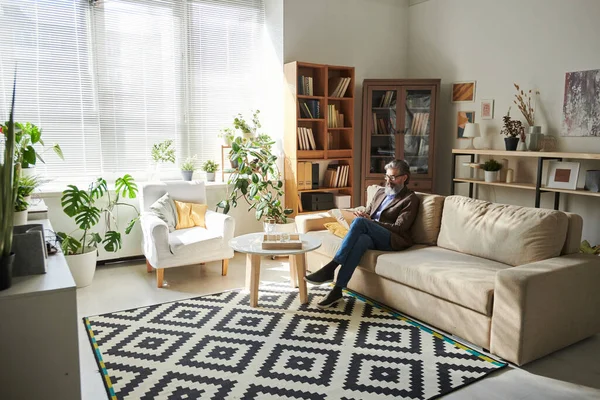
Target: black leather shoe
<point>331,299</point>
<point>320,277</point>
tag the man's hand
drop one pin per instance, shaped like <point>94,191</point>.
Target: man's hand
<point>362,214</point>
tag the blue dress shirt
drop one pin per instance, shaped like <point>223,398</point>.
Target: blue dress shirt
<point>388,199</point>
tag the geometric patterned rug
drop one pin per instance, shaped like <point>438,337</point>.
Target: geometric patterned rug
<point>217,347</point>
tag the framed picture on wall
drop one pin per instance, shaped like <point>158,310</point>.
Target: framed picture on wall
<point>463,92</point>
<point>487,109</point>
<point>462,118</point>
<point>563,175</point>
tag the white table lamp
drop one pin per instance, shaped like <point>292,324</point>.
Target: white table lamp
<point>471,131</point>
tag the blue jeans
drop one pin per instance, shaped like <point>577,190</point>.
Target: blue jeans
<point>363,235</point>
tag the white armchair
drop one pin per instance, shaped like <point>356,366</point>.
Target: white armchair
<point>164,249</point>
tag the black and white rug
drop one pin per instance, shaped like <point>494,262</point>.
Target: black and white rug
<point>217,347</point>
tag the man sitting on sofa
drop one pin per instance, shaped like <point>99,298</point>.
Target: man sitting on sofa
<point>385,225</point>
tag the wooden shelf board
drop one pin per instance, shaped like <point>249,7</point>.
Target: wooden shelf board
<point>530,154</point>
<point>307,97</point>
<point>339,129</point>
<point>339,98</point>
<point>519,185</point>
<point>577,191</point>
<point>311,119</point>
<point>325,189</point>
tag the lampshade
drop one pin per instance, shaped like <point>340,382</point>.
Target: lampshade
<point>471,130</point>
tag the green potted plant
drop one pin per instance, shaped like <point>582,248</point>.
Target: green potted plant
<point>28,135</point>
<point>228,135</point>
<point>21,206</point>
<point>9,170</point>
<point>162,152</point>
<point>188,167</point>
<point>257,180</point>
<point>491,168</point>
<point>210,167</point>
<point>514,131</point>
<point>87,207</point>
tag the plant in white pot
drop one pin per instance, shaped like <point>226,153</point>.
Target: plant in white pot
<point>163,152</point>
<point>188,167</point>
<point>87,207</point>
<point>210,167</point>
<point>257,181</point>
<point>491,168</point>
<point>21,205</point>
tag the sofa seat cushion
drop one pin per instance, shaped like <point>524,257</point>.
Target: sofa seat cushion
<point>332,243</point>
<point>191,236</point>
<point>456,277</point>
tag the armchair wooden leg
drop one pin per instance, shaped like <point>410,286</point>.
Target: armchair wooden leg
<point>224,266</point>
<point>148,266</point>
<point>160,275</point>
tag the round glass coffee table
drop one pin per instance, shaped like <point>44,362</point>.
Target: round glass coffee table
<point>251,244</point>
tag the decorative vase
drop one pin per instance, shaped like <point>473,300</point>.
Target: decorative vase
<point>20,218</point>
<point>511,143</point>
<point>491,176</point>
<point>210,176</point>
<point>6,268</point>
<point>234,164</point>
<point>522,146</point>
<point>83,267</point>
<point>187,175</point>
<point>535,138</point>
<point>154,173</point>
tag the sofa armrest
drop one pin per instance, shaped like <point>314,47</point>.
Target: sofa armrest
<point>155,233</point>
<point>544,306</point>
<point>217,222</point>
<point>313,222</point>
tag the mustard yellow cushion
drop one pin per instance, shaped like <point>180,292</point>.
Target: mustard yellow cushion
<point>337,229</point>
<point>190,214</point>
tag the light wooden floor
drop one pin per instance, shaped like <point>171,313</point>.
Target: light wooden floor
<point>573,373</point>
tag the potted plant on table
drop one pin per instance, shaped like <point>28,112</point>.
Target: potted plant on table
<point>163,152</point>
<point>188,167</point>
<point>9,171</point>
<point>257,181</point>
<point>210,167</point>
<point>87,207</point>
<point>491,168</point>
<point>514,131</point>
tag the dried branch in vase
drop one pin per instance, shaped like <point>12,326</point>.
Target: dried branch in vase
<point>523,101</point>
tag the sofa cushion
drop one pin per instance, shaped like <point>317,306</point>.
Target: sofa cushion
<point>426,228</point>
<point>508,234</point>
<point>191,236</point>
<point>332,243</point>
<point>456,277</point>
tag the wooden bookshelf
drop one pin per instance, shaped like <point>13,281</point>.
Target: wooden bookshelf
<point>334,144</point>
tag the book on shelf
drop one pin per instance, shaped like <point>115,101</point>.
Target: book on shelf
<point>307,176</point>
<point>333,141</point>
<point>337,175</point>
<point>310,109</point>
<point>420,123</point>
<point>306,139</point>
<point>305,85</point>
<point>336,119</point>
<point>387,98</point>
<point>338,86</point>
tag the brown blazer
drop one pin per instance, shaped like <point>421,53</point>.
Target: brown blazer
<point>398,216</point>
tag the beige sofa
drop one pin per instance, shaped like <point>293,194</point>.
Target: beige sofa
<point>508,279</point>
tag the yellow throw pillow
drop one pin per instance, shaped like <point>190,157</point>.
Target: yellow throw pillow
<point>190,214</point>
<point>337,229</point>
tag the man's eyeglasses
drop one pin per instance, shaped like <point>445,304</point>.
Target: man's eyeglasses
<point>392,178</point>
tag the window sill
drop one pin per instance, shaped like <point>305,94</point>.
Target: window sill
<point>55,189</point>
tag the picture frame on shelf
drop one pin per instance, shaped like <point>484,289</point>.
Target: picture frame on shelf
<point>563,175</point>
<point>462,118</point>
<point>487,109</point>
<point>463,92</point>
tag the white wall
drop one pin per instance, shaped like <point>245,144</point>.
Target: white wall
<point>496,43</point>
<point>370,35</point>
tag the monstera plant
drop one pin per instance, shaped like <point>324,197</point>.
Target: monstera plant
<point>88,207</point>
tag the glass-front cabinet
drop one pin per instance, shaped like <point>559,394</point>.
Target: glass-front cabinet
<point>399,122</point>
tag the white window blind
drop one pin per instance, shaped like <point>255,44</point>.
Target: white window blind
<point>139,57</point>
<point>225,59</point>
<point>48,41</point>
<point>106,79</point>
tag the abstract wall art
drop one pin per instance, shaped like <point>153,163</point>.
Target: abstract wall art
<point>581,107</point>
